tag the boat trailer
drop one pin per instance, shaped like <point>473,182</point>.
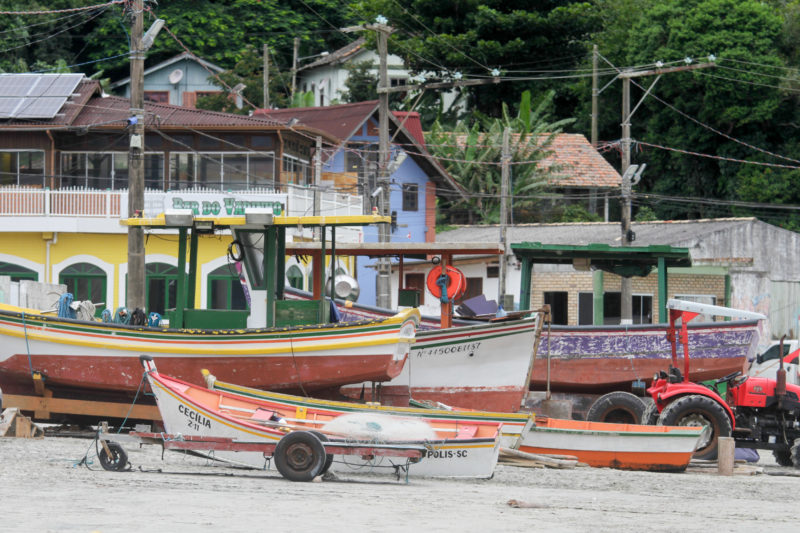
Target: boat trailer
<point>298,455</point>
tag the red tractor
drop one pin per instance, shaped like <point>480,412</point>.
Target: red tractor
<point>759,413</point>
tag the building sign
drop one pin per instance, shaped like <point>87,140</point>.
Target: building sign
<point>223,204</point>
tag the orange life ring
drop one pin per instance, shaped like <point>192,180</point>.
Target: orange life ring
<point>456,282</point>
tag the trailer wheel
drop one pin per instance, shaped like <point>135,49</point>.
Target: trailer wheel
<point>299,456</point>
<point>328,457</point>
<point>783,456</point>
<point>795,449</point>
<point>118,459</point>
<point>697,410</point>
<point>650,415</point>
<point>619,406</point>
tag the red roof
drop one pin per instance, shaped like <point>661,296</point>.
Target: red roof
<point>411,122</point>
<point>581,164</point>
<point>341,120</point>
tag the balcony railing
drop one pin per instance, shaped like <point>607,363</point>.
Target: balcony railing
<point>84,202</point>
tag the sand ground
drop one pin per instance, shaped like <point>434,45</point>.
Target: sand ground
<point>42,488</point>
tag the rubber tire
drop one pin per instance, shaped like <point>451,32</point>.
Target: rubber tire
<point>619,407</point>
<point>783,457</point>
<point>795,450</point>
<point>299,456</point>
<point>328,457</point>
<point>650,415</point>
<point>686,410</point>
<point>118,460</point>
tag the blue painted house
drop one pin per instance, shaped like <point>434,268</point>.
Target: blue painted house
<point>180,80</point>
<point>351,167</point>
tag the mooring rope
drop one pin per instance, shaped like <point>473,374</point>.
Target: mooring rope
<point>27,345</point>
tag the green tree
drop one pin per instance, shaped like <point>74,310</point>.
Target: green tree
<point>471,154</point>
<point>362,84</point>
<point>473,37</point>
<point>700,111</point>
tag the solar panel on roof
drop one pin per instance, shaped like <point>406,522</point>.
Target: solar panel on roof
<point>35,95</point>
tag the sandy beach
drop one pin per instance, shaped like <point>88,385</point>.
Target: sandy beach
<point>44,488</point>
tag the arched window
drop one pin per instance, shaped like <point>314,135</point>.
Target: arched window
<point>161,280</point>
<point>295,276</point>
<point>17,272</point>
<point>86,282</point>
<point>225,290</point>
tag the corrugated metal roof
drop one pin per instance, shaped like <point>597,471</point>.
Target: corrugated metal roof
<point>341,120</point>
<point>114,108</point>
<point>412,123</point>
<point>338,56</point>
<point>83,93</point>
<point>669,232</point>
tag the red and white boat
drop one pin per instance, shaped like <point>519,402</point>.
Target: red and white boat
<point>623,446</point>
<point>454,448</point>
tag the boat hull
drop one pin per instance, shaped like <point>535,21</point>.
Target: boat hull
<point>95,356</point>
<point>513,425</point>
<point>602,359</point>
<point>188,411</point>
<point>483,366</point>
<point>623,446</point>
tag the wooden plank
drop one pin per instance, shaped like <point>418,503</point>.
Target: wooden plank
<point>49,405</point>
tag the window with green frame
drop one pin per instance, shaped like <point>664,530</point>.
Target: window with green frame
<point>17,272</point>
<point>295,276</point>
<point>161,280</point>
<point>225,290</point>
<point>86,282</point>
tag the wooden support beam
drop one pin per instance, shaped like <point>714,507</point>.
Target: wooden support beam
<point>48,405</point>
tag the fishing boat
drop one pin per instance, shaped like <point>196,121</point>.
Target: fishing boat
<point>600,359</point>
<point>513,425</point>
<point>623,446</point>
<point>454,448</point>
<point>49,363</point>
<point>483,365</point>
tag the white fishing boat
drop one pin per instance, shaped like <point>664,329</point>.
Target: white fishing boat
<point>452,448</point>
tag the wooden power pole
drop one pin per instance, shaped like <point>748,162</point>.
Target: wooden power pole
<point>627,235</point>
<point>265,88</point>
<point>504,186</point>
<point>135,291</point>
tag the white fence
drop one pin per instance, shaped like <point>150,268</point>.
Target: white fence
<point>82,202</point>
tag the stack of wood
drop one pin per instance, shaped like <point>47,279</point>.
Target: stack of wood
<point>14,424</point>
<point>536,460</point>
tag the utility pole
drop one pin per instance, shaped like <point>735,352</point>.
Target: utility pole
<point>504,169</point>
<point>627,235</point>
<point>295,53</point>
<point>265,88</point>
<point>626,305</point>
<point>383,282</point>
<point>595,96</point>
<point>135,291</point>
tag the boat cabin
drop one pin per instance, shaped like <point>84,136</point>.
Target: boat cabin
<point>258,250</point>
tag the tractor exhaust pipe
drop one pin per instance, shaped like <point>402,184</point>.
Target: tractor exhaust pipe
<point>780,381</point>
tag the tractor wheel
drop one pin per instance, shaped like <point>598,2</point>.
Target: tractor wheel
<point>795,450</point>
<point>618,406</point>
<point>650,415</point>
<point>783,456</point>
<point>697,410</point>
<point>299,456</point>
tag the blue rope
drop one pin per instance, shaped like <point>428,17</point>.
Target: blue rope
<point>27,346</point>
